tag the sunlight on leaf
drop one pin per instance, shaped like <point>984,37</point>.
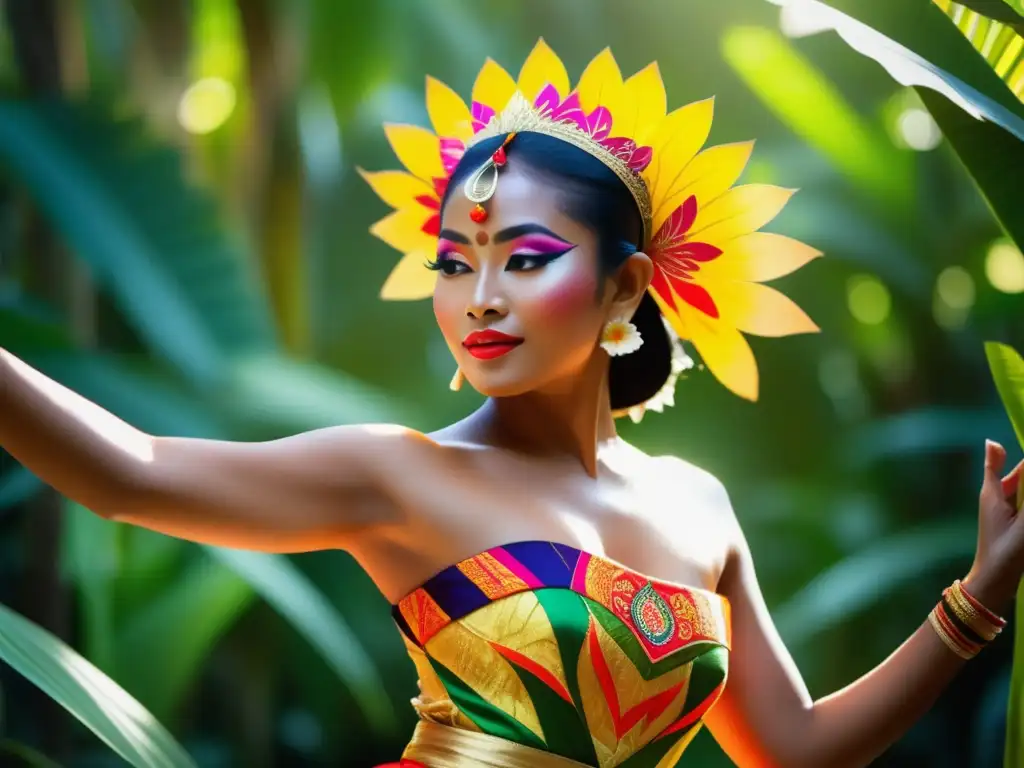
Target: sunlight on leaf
<point>92,697</point>
<point>300,395</point>
<point>1008,372</point>
<point>291,594</point>
<point>997,10</point>
<point>807,101</point>
<point>903,65</point>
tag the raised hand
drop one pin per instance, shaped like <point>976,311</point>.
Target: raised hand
<point>999,559</point>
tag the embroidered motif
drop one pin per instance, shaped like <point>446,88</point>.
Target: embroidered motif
<point>651,616</point>
<point>692,613</point>
<point>493,578</point>
<point>424,616</point>
<point>600,578</point>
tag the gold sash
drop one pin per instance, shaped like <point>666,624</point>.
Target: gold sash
<point>441,746</point>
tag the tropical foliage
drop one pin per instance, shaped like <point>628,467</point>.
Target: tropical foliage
<point>183,239</point>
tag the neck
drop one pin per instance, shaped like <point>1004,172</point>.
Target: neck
<point>572,417</point>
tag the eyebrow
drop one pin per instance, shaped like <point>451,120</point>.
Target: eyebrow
<point>455,237</point>
<point>511,233</point>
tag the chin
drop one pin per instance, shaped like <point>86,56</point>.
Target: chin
<point>490,385</point>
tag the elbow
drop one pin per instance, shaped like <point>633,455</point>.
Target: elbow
<point>123,490</point>
<point>116,499</point>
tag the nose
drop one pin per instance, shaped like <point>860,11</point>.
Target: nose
<point>486,301</point>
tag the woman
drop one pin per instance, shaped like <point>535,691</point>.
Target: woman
<point>567,600</point>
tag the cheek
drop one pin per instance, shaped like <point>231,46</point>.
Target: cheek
<point>446,312</point>
<point>564,295</point>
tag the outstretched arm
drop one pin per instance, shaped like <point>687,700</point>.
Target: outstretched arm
<point>766,718</point>
<point>310,491</point>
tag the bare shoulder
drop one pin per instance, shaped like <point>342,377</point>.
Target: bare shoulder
<point>704,492</point>
<point>697,483</point>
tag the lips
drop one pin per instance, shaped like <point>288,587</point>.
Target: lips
<point>489,344</point>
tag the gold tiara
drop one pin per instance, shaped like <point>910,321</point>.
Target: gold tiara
<point>519,116</point>
<point>700,229</point>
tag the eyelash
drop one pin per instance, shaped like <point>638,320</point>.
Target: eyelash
<point>448,264</point>
<point>451,266</point>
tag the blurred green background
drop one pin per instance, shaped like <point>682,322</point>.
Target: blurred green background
<point>183,239</point>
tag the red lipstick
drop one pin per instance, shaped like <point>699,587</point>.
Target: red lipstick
<point>489,344</point>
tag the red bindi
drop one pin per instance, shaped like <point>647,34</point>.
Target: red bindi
<point>482,238</point>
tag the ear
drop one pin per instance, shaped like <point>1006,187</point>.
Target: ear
<point>630,283</point>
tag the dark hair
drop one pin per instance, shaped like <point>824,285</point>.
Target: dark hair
<point>594,196</point>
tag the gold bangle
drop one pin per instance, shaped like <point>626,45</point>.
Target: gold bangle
<point>969,614</point>
<point>946,638</point>
<point>966,613</point>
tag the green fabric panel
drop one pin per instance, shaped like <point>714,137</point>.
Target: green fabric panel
<point>649,756</point>
<point>565,731</point>
<point>488,717</point>
<point>631,646</point>
<point>569,618</point>
<point>707,674</point>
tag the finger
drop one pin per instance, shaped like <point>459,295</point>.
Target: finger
<point>995,459</point>
<point>1012,481</point>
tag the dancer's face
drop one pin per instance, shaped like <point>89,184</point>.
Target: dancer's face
<point>530,272</point>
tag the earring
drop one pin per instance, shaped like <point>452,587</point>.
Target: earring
<point>620,337</point>
<point>456,383</point>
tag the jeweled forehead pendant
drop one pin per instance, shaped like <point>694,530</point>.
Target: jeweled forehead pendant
<point>480,187</point>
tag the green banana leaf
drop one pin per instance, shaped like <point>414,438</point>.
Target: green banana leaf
<point>165,642</point>
<point>92,697</point>
<point>853,584</point>
<point>286,589</point>
<point>1004,11</point>
<point>805,100</point>
<point>917,47</point>
<point>1008,372</point>
<point>993,28</point>
<point>121,203</point>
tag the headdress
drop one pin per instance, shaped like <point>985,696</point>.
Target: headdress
<point>700,231</point>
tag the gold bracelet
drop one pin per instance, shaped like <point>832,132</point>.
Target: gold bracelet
<point>992,622</point>
<point>968,615</point>
<point>945,637</point>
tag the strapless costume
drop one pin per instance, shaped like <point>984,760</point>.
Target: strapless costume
<point>540,655</point>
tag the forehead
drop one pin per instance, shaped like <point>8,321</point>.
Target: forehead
<point>520,196</point>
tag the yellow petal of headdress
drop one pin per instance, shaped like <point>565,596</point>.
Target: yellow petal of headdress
<point>701,231</point>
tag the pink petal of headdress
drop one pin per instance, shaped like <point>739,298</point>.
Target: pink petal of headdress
<point>571,111</point>
<point>452,151</point>
<point>599,123</point>
<point>547,100</point>
<point>482,115</point>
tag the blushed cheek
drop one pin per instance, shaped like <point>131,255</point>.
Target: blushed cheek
<point>565,297</point>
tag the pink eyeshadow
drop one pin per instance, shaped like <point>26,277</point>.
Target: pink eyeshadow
<point>541,244</point>
<point>446,248</point>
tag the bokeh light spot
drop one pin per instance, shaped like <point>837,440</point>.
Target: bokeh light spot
<point>918,129</point>
<point>206,105</point>
<point>955,287</point>
<point>1004,268</point>
<point>868,299</point>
